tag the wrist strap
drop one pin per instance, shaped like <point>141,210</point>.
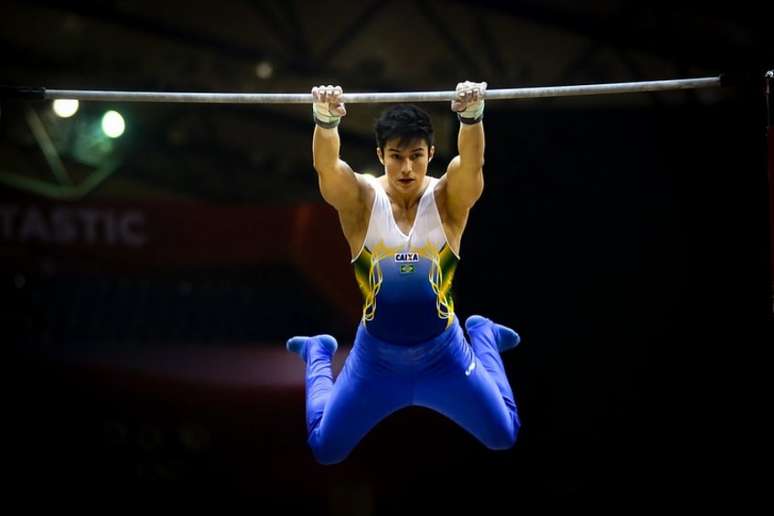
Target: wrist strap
<point>470,121</point>
<point>326,125</point>
<point>473,114</point>
<point>323,118</point>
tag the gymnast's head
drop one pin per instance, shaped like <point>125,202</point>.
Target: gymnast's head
<point>404,143</point>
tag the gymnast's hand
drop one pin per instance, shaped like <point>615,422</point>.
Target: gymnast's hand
<point>328,107</point>
<point>468,102</point>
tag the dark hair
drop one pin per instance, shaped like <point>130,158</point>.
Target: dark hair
<point>406,122</point>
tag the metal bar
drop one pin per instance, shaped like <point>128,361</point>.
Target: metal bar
<point>54,191</point>
<point>109,13</point>
<point>486,35</point>
<point>351,31</point>
<point>453,41</point>
<point>47,147</point>
<point>414,96</point>
<point>768,78</point>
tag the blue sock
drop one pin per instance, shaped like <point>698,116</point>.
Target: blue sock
<point>299,344</point>
<point>506,337</point>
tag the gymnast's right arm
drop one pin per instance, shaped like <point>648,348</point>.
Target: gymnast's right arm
<point>338,183</point>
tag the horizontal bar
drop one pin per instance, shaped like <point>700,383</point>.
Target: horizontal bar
<point>22,93</point>
<point>352,98</point>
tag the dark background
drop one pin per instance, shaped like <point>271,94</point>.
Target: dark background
<point>625,237</point>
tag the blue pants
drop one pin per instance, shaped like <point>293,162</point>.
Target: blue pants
<point>465,382</point>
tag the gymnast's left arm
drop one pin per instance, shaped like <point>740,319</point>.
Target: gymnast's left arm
<point>465,175</point>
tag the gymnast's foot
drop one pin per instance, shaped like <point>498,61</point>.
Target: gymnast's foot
<point>301,345</point>
<point>505,337</point>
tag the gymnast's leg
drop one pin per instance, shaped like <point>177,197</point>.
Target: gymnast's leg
<point>488,340</point>
<point>340,413</point>
<point>468,383</point>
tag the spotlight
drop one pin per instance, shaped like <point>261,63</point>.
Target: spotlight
<point>264,70</point>
<point>113,124</point>
<point>65,108</point>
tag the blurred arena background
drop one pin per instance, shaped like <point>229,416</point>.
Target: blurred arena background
<point>155,261</point>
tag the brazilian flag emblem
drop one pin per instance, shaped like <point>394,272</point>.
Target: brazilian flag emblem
<point>407,268</point>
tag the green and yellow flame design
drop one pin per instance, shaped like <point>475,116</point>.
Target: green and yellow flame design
<point>443,265</point>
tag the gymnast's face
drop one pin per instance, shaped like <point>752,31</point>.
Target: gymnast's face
<point>406,165</point>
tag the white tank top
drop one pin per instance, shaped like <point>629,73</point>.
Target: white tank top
<point>405,278</point>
